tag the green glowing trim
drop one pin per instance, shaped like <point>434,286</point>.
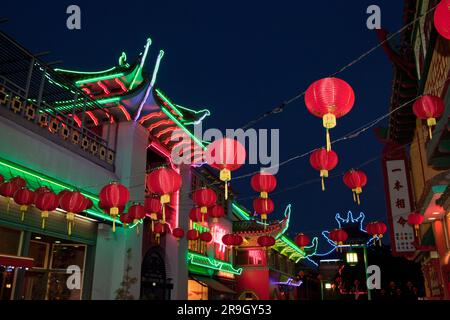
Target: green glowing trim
<point>100,78</point>
<point>141,65</point>
<point>200,228</point>
<point>210,263</point>
<point>439,188</point>
<point>24,172</point>
<point>69,104</point>
<point>206,112</point>
<point>168,102</point>
<point>84,72</point>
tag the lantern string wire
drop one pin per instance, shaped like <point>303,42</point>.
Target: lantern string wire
<point>284,104</point>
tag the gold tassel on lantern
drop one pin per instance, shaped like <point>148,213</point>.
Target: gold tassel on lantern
<point>264,195</point>
<point>431,122</point>
<point>203,211</point>
<point>70,219</point>
<point>264,220</point>
<point>23,209</point>
<point>153,218</point>
<point>225,176</point>
<point>329,122</point>
<point>44,215</point>
<point>8,201</point>
<point>323,174</point>
<point>165,198</point>
<point>358,191</point>
<point>114,212</point>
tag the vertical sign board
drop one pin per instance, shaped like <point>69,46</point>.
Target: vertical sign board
<point>399,205</point>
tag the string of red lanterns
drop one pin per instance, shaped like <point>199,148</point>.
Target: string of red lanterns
<point>376,229</point>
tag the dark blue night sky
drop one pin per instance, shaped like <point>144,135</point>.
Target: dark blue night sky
<point>240,59</point>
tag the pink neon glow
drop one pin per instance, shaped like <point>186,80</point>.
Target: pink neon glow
<point>255,257</point>
<point>164,131</point>
<point>218,232</point>
<point>77,120</point>
<point>125,112</point>
<point>151,115</point>
<point>174,137</point>
<point>120,83</point>
<point>93,118</point>
<point>159,123</point>
<point>104,88</point>
<point>110,117</point>
<point>87,90</point>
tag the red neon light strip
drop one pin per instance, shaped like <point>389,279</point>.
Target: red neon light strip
<point>104,88</point>
<point>110,117</point>
<point>164,131</point>
<point>174,137</point>
<point>77,120</point>
<point>160,123</point>
<point>125,112</point>
<point>93,118</point>
<point>120,83</point>
<point>151,115</point>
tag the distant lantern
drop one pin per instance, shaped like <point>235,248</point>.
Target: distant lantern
<point>323,161</point>
<point>164,182</point>
<point>415,219</point>
<point>152,208</point>
<point>228,239</point>
<point>73,203</point>
<point>24,198</point>
<point>137,211</point>
<point>264,183</point>
<point>237,240</point>
<point>178,233</point>
<point>376,229</point>
<point>205,238</point>
<point>8,189</point>
<point>160,229</point>
<point>46,202</point>
<point>114,196</point>
<point>18,181</point>
<point>216,212</point>
<point>429,108</point>
<point>266,241</point>
<point>302,240</point>
<point>195,215</point>
<point>126,219</point>
<point>329,98</point>
<point>204,198</point>
<point>264,207</point>
<point>338,236</point>
<point>355,180</point>
<point>226,155</point>
<point>442,18</point>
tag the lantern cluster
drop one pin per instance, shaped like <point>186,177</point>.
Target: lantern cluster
<point>264,183</point>
<point>376,229</point>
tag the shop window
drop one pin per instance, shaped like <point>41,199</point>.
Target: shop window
<point>9,241</point>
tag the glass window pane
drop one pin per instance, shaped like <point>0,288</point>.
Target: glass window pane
<point>9,241</point>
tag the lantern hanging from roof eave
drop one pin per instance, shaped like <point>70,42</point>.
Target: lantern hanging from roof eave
<point>442,19</point>
<point>266,241</point>
<point>24,197</point>
<point>429,107</point>
<point>8,189</point>
<point>178,233</point>
<point>73,203</point>
<point>164,182</point>
<point>137,211</point>
<point>204,198</point>
<point>355,180</point>
<point>216,212</point>
<point>323,161</point>
<point>263,206</point>
<point>46,202</point>
<point>152,207</point>
<point>225,155</point>
<point>160,229</point>
<point>264,183</point>
<point>126,219</point>
<point>329,99</point>
<point>228,239</point>
<point>113,196</point>
<point>302,240</point>
<point>415,219</point>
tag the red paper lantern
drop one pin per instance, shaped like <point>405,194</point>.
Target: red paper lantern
<point>178,233</point>
<point>263,183</point>
<point>113,196</point>
<point>442,19</point>
<point>376,229</point>
<point>192,235</point>
<point>73,203</point>
<point>302,240</point>
<point>266,241</point>
<point>160,229</point>
<point>88,204</point>
<point>225,155</point>
<point>41,189</point>
<point>18,181</point>
<point>323,161</point>
<point>60,195</point>
<point>415,219</point>
<point>164,182</point>
<point>228,239</point>
<point>216,212</point>
<point>106,209</point>
<point>204,198</point>
<point>137,211</point>
<point>152,207</point>
<point>24,198</point>
<point>205,237</point>
<point>329,98</point>
<point>339,236</point>
<point>195,214</point>
<point>429,108</point>
<point>355,180</point>
<point>126,218</point>
<point>2,179</point>
<point>46,201</point>
<point>8,189</point>
<point>263,206</point>
<point>237,240</point>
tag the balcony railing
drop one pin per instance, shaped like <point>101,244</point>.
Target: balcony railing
<point>31,90</point>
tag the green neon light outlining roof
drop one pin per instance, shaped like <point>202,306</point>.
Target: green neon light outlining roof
<point>141,65</point>
<point>200,228</point>
<point>210,263</point>
<point>85,72</point>
<point>168,102</point>
<point>55,184</point>
<point>99,78</point>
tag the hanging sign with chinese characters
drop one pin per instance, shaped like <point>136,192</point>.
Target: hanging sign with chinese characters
<point>399,206</point>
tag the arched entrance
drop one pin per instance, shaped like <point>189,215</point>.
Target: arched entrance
<point>154,284</point>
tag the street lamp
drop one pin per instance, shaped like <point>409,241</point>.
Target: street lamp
<point>352,258</point>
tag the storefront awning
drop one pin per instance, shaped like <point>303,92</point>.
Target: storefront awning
<point>213,284</point>
<point>16,261</point>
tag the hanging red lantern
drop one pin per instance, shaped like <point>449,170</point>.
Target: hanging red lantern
<point>137,211</point>
<point>338,236</point>
<point>442,19</point>
<point>113,196</point>
<point>263,206</point>
<point>178,233</point>
<point>205,238</point>
<point>376,229</point>
<point>195,214</point>
<point>263,183</point>
<point>226,155</point>
<point>60,195</point>
<point>106,209</point>
<point>216,212</point>
<point>237,240</point>
<point>329,98</point>
<point>302,240</point>
<point>8,189</point>
<point>204,198</point>
<point>164,182</point>
<point>126,219</point>
<point>415,219</point>
<point>88,204</point>
<point>2,179</point>
<point>73,203</point>
<point>266,241</point>
<point>18,181</point>
<point>192,235</point>
<point>46,201</point>
<point>152,207</point>
<point>323,161</point>
<point>355,180</point>
<point>228,239</point>
<point>41,189</point>
<point>160,229</point>
<point>24,197</point>
<point>429,108</point>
